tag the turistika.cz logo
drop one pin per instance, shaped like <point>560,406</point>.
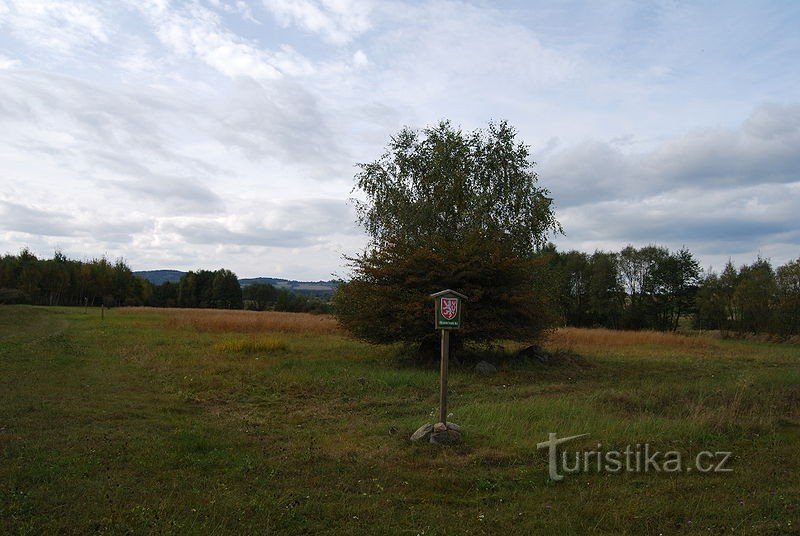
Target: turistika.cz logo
<point>641,458</point>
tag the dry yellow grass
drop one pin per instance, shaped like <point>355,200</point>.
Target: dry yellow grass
<point>251,345</point>
<point>234,321</point>
<point>607,338</point>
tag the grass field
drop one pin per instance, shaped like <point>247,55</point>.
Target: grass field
<point>199,422</point>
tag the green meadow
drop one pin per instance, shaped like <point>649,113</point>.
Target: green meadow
<point>146,423</point>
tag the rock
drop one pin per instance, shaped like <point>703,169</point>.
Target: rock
<point>536,352</point>
<point>439,433</point>
<point>422,432</point>
<point>484,367</point>
<point>447,437</point>
<point>453,426</point>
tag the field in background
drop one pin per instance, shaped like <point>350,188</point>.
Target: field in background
<point>235,321</point>
<point>569,338</point>
<point>198,422</point>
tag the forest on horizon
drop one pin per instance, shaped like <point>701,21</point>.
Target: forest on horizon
<point>637,288</point>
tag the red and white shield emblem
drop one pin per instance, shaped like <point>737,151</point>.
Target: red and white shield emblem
<point>449,308</point>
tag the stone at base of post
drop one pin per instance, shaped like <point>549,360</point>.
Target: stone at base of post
<point>439,433</point>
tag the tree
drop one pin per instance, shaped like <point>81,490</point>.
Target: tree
<point>639,277</point>
<point>444,184</point>
<point>755,296</point>
<point>259,296</point>
<point>219,289</point>
<point>29,271</point>
<point>164,295</point>
<point>290,302</point>
<point>124,285</point>
<point>571,278</point>
<point>226,293</point>
<point>788,308</point>
<point>711,304</point>
<point>728,281</point>
<point>450,209</point>
<point>606,297</point>
<point>677,277</point>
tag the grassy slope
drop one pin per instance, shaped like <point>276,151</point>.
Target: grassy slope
<point>138,424</point>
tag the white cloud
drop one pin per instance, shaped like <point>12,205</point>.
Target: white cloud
<point>718,191</point>
<point>140,60</point>
<point>58,25</point>
<point>197,32</point>
<point>238,7</point>
<point>337,21</point>
<point>761,150</point>
<point>738,223</point>
<point>8,63</point>
<point>294,223</point>
<point>278,119</point>
<point>360,59</point>
<point>33,221</point>
<point>208,133</point>
<point>171,169</point>
<point>458,60</point>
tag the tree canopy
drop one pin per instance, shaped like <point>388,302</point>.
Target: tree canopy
<point>443,185</point>
<point>446,208</point>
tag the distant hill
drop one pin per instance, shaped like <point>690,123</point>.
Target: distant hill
<point>158,277</point>
<point>308,288</point>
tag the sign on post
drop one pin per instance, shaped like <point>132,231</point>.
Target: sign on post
<point>448,309</point>
<point>448,317</point>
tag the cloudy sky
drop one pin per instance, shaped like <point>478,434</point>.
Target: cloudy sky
<point>224,133</point>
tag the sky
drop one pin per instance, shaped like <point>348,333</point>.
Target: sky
<point>224,133</point>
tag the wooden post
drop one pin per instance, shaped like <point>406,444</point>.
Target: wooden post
<point>443,376</point>
<point>447,316</point>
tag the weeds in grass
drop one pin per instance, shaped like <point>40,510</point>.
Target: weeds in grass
<point>717,409</point>
<point>226,321</point>
<point>252,345</point>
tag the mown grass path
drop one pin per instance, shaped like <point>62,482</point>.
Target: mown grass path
<point>137,425</point>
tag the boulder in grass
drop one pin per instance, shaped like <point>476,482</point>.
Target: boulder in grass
<point>453,426</point>
<point>536,352</point>
<point>445,437</point>
<point>423,432</point>
<point>439,433</point>
<point>484,367</point>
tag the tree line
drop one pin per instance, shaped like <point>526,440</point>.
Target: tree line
<point>636,288</point>
<point>655,288</point>
<point>25,278</point>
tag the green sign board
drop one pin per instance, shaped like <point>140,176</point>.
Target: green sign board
<point>449,304</point>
